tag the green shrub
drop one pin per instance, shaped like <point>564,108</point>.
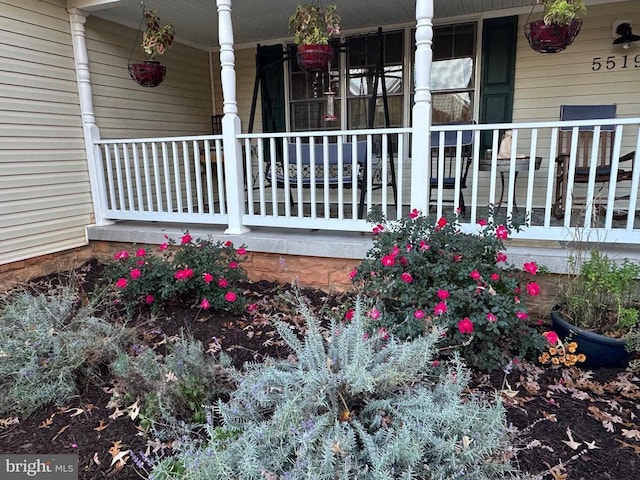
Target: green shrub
<point>425,272</point>
<point>47,344</point>
<point>350,405</point>
<point>169,388</point>
<point>202,272</point>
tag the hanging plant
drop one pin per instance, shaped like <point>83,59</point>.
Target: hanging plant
<point>312,28</point>
<point>156,40</point>
<point>558,27</point>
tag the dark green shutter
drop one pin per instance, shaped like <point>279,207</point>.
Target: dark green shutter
<point>499,37</point>
<point>270,63</point>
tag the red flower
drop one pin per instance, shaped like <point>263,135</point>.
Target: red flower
<point>233,265</point>
<point>501,257</point>
<point>501,232</point>
<point>482,222</point>
<point>374,314</point>
<point>457,258</point>
<point>495,277</point>
<point>382,332</point>
<point>440,308</point>
<point>122,283</point>
<point>531,267</point>
<point>252,306</point>
<point>228,243</point>
<point>207,278</point>
<point>403,260</point>
<point>242,251</point>
<point>184,274</point>
<point>424,245</point>
<point>135,273</point>
<point>353,273</point>
<point>141,252</point>
<point>223,283</point>
<point>205,304</point>
<point>149,299</point>
<point>378,229</point>
<point>388,261</point>
<point>349,314</point>
<point>533,289</point>
<point>552,337</point>
<point>121,255</point>
<point>419,314</point>
<point>475,275</point>
<point>140,262</point>
<point>442,222</point>
<point>406,277</point>
<point>443,294</point>
<point>491,317</point>
<point>186,238</point>
<point>163,247</point>
<point>522,315</point>
<point>414,213</point>
<point>465,325</point>
<point>230,297</point>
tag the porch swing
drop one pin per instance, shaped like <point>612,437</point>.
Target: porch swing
<point>301,156</point>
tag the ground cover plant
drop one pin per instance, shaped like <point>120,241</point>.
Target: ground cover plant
<point>562,423</point>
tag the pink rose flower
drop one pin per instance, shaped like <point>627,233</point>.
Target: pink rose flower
<point>440,308</point>
<point>122,283</point>
<point>230,297</point>
<point>501,232</point>
<point>406,277</point>
<point>184,274</point>
<point>242,251</point>
<point>233,265</point>
<point>443,294</point>
<point>388,261</point>
<point>501,257</point>
<point>186,238</point>
<point>482,222</point>
<point>223,283</point>
<point>228,243</point>
<point>205,304</point>
<point>252,306</point>
<point>475,275</point>
<point>491,318</point>
<point>382,332</point>
<point>522,315</point>
<point>424,245</point>
<point>149,299</point>
<point>141,252</point>
<point>442,222</point>
<point>207,278</point>
<point>419,314</point>
<point>552,337</point>
<point>533,289</point>
<point>353,273</point>
<point>457,258</point>
<point>374,314</point>
<point>163,247</point>
<point>465,325</point>
<point>135,273</point>
<point>495,277</point>
<point>415,213</point>
<point>349,314</point>
<point>531,267</point>
<point>121,255</point>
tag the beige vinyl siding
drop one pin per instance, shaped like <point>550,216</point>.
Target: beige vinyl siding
<point>45,202</point>
<point>544,82</point>
<point>180,105</point>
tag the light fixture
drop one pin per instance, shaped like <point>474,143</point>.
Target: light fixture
<point>626,35</point>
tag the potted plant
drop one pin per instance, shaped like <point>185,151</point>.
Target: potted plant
<point>558,27</point>
<point>156,40</point>
<point>312,28</point>
<point>599,309</point>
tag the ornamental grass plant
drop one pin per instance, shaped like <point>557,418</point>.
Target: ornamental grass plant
<point>200,271</point>
<point>425,271</point>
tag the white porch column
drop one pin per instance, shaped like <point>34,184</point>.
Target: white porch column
<point>230,122</point>
<point>421,127</point>
<point>77,19</point>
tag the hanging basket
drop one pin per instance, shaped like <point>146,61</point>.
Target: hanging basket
<point>148,74</point>
<point>314,58</point>
<point>552,38</point>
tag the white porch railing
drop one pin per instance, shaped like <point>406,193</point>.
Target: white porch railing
<point>182,180</point>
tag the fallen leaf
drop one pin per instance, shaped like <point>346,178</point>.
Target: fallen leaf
<point>101,426</point>
<point>632,434</point>
<point>7,422</point>
<point>550,417</point>
<point>591,445</point>
<point>96,458</point>
<point>120,458</point>
<point>76,411</point>
<point>47,423</point>
<point>571,442</point>
<point>59,432</point>
<point>636,448</point>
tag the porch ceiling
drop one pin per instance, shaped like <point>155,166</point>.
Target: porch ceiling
<point>196,24</point>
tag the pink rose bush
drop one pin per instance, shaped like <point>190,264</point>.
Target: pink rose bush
<point>425,272</point>
<point>199,271</point>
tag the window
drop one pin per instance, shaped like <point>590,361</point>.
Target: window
<point>452,73</point>
<point>307,97</point>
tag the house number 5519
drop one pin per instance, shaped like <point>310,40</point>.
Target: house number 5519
<point>611,62</point>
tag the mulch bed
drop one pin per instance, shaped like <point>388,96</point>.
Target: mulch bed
<point>572,424</point>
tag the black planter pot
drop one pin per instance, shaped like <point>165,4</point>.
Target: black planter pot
<point>600,350</point>
<point>148,74</point>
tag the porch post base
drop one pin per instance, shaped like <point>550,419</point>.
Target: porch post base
<point>237,230</point>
